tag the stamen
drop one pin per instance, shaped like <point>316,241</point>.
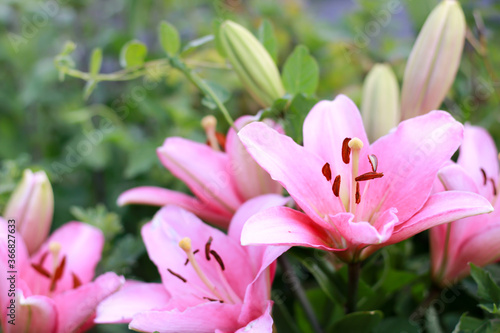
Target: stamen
<point>76,281</point>
<point>373,162</point>
<point>39,268</point>
<point>346,150</point>
<point>207,248</point>
<point>218,258</point>
<point>494,186</point>
<point>336,186</point>
<point>185,244</point>
<point>58,274</point>
<point>187,260</point>
<point>327,172</point>
<point>369,176</point>
<point>358,195</point>
<point>485,178</point>
<point>209,123</point>
<point>176,275</point>
<point>213,299</point>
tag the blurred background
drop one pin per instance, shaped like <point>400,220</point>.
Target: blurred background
<point>46,123</point>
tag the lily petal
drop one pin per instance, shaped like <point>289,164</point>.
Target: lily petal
<point>297,169</point>
<point>250,179</point>
<point>77,307</point>
<point>132,298</point>
<point>285,226</point>
<point>455,178</point>
<point>263,324</point>
<point>157,196</point>
<point>410,158</point>
<point>204,318</point>
<point>205,171</point>
<point>441,208</point>
<point>478,151</point>
<point>32,313</point>
<point>325,128</point>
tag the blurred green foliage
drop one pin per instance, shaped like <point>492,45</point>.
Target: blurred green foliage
<point>95,148</point>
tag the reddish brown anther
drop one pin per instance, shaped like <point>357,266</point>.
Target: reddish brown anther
<point>494,186</point>
<point>336,186</point>
<point>176,275</point>
<point>346,151</point>
<point>39,268</point>
<point>485,178</point>
<point>369,176</point>
<point>221,140</point>
<point>327,172</point>
<point>373,162</point>
<point>218,258</point>
<point>207,248</point>
<point>58,274</point>
<point>187,260</point>
<point>76,281</point>
<point>358,195</point>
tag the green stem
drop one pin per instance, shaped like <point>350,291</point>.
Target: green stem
<point>354,270</point>
<point>299,292</point>
<point>175,62</point>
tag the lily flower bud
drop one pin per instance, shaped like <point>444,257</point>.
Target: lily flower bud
<point>253,64</point>
<point>31,205</point>
<point>380,101</point>
<point>434,60</point>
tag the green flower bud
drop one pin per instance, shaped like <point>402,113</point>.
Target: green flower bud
<point>380,101</point>
<point>253,64</point>
<point>434,60</point>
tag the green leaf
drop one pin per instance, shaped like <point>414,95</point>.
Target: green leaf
<point>297,112</point>
<point>95,62</point>
<point>169,38</point>
<point>487,289</point>
<point>123,255</point>
<point>89,88</point>
<point>471,325</point>
<point>221,93</point>
<point>218,44</point>
<point>358,322</point>
<point>133,54</point>
<point>197,43</point>
<point>300,72</point>
<point>268,39</point>
<point>140,160</point>
<point>432,321</point>
<point>108,222</point>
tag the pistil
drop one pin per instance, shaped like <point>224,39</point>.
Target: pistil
<point>355,146</point>
<point>55,249</point>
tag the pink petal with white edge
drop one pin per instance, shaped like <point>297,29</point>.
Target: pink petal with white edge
<point>205,171</point>
<point>285,226</point>
<point>441,208</point>
<point>32,313</point>
<point>162,236</point>
<point>478,151</point>
<point>132,298</point>
<point>455,178</point>
<point>325,128</point>
<point>204,318</point>
<point>250,179</point>
<point>296,168</point>
<point>410,158</point>
<point>76,307</point>
<point>157,196</point>
<point>82,245</point>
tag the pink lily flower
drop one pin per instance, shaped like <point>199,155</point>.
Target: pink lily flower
<point>52,291</point>
<point>210,283</point>
<point>473,239</point>
<point>220,180</point>
<point>355,197</point>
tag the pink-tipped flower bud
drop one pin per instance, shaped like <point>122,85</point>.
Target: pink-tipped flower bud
<point>434,60</point>
<point>31,205</point>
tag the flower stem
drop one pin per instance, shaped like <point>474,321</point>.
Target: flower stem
<point>294,282</point>
<point>354,270</point>
<point>175,62</point>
